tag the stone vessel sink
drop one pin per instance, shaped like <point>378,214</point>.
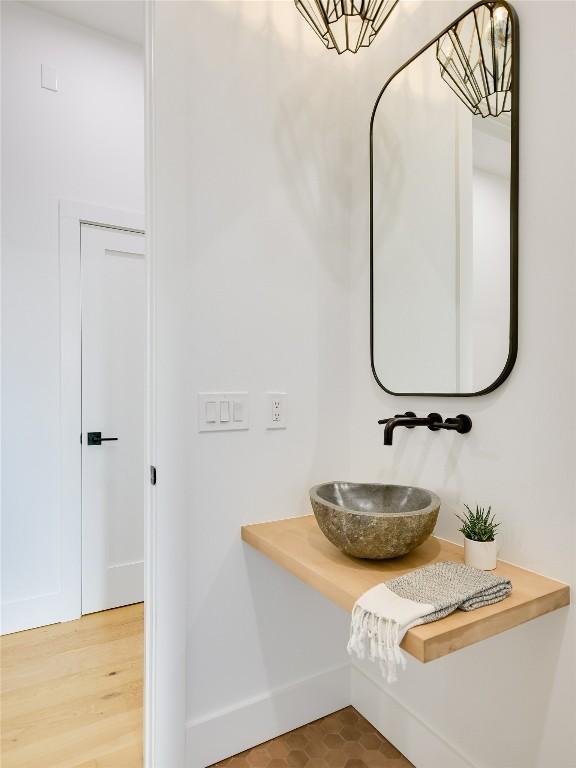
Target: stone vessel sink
<point>374,521</point>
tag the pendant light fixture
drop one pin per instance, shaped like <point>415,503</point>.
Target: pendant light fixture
<point>346,25</point>
<point>475,58</point>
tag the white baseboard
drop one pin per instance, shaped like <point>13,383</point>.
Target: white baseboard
<point>253,721</point>
<point>402,727</point>
<point>33,612</point>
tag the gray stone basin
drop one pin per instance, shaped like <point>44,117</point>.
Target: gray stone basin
<point>374,521</point>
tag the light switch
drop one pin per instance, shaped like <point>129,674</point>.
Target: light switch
<point>211,412</point>
<point>238,410</point>
<point>222,411</point>
<point>49,78</point>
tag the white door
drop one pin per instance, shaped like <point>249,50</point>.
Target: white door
<point>113,411</point>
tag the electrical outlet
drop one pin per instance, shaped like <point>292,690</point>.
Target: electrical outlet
<point>275,403</point>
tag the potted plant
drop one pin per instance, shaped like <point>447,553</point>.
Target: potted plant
<point>479,529</point>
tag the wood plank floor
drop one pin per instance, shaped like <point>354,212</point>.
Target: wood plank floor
<point>72,693</point>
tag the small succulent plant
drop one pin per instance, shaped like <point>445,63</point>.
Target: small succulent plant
<point>479,525</point>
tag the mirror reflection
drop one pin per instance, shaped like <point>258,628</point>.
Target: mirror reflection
<point>443,140</point>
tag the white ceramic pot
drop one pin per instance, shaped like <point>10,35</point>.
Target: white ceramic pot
<point>480,554</point>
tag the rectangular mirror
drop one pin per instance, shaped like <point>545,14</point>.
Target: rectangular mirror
<point>444,212</point>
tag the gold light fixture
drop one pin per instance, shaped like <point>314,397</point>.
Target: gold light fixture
<point>346,25</point>
<point>475,58</point>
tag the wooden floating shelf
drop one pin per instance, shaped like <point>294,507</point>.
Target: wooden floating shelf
<point>298,545</point>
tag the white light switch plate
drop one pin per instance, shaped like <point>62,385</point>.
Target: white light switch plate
<point>275,404</point>
<point>222,411</point>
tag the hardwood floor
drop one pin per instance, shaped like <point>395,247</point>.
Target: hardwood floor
<point>72,697</point>
<point>72,694</point>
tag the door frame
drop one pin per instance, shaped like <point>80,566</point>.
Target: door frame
<point>72,215</point>
<point>165,562</point>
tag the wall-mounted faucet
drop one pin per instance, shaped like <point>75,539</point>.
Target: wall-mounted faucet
<point>433,421</point>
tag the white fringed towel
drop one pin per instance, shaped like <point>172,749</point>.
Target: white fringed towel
<point>383,615</point>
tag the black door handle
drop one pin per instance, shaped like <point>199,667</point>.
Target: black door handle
<point>95,438</point>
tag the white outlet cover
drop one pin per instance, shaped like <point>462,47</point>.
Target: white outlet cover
<point>275,410</point>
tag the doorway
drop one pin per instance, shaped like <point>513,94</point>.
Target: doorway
<point>75,336</point>
<point>103,385</point>
<point>113,402</point>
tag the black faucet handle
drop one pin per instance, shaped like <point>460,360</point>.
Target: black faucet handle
<point>411,414</point>
<point>435,421</point>
<point>461,423</point>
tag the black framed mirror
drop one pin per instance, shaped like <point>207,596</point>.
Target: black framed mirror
<point>444,212</point>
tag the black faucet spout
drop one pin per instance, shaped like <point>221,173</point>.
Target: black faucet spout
<point>409,420</point>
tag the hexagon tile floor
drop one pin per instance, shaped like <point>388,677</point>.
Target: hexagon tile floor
<point>342,740</point>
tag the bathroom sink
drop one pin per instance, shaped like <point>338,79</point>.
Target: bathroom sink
<point>374,521</point>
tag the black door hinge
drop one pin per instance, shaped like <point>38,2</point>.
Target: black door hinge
<point>152,475</point>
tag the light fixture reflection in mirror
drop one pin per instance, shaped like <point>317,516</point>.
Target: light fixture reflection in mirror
<point>346,25</point>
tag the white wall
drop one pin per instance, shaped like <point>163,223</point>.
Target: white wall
<point>251,255</point>
<point>260,233</point>
<point>509,702</point>
<point>83,143</point>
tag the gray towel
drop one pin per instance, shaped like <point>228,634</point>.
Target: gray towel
<point>382,615</point>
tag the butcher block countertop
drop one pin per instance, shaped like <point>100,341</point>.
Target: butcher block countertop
<point>298,545</point>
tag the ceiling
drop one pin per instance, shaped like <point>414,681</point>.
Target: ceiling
<point>121,18</point>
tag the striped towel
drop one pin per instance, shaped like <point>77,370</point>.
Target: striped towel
<point>382,616</point>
